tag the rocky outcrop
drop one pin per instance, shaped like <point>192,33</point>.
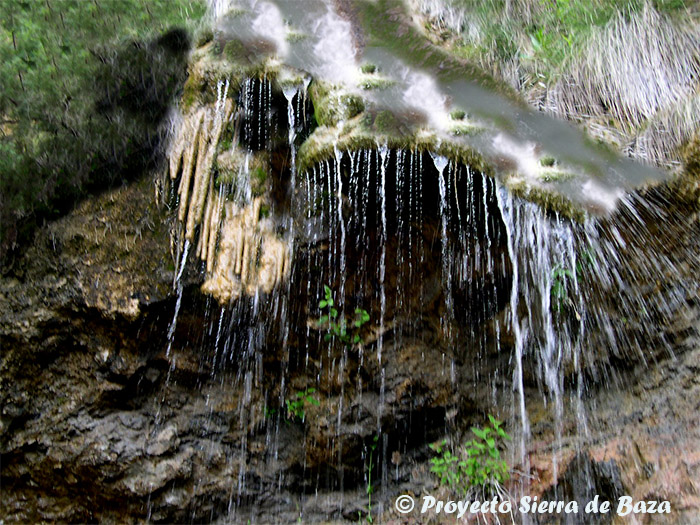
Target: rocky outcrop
<point>99,423</point>
<point>129,395</point>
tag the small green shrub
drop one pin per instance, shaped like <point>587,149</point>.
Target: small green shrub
<point>480,466</point>
<point>348,334</point>
<point>296,407</point>
<point>458,114</point>
<point>370,488</point>
<point>562,281</point>
<point>368,69</point>
<point>559,291</point>
<point>547,161</point>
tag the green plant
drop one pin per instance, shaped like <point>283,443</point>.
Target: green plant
<point>368,68</point>
<point>547,161</point>
<point>370,488</point>
<point>338,327</point>
<point>296,405</point>
<point>480,466</point>
<point>85,86</point>
<point>562,277</point>
<point>458,114</point>
<point>559,291</point>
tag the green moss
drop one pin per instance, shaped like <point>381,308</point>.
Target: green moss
<point>386,123</point>
<point>375,83</point>
<point>235,51</point>
<point>264,211</point>
<point>548,201</point>
<point>331,105</point>
<point>204,36</point>
<point>295,36</point>
<point>466,130</point>
<point>458,114</point>
<point>194,88</point>
<point>368,69</point>
<point>258,182</point>
<point>547,161</point>
<point>556,176</point>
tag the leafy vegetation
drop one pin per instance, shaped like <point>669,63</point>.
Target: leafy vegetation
<point>85,86</point>
<point>348,334</point>
<point>479,467</point>
<point>562,281</point>
<point>296,407</point>
<point>369,489</point>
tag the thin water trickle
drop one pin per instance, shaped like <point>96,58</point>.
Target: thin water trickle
<point>378,227</point>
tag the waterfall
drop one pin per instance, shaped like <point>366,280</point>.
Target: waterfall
<point>418,234</point>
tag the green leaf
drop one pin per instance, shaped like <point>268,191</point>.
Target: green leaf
<point>479,433</point>
<point>323,304</point>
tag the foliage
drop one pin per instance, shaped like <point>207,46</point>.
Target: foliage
<point>84,87</point>
<point>338,327</point>
<point>296,407</point>
<point>559,289</point>
<point>481,464</point>
<point>562,278</point>
<point>370,488</point>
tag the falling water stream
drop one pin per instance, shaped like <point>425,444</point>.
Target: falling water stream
<point>408,235</point>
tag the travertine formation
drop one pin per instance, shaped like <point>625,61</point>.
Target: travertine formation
<point>250,256</point>
<point>243,254</point>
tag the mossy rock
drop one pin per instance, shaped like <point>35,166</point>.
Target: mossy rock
<point>368,69</point>
<point>548,201</point>
<point>204,74</point>
<point>296,36</point>
<point>556,176</point>
<point>259,180</point>
<point>375,83</point>
<point>332,105</point>
<point>386,123</point>
<point>235,51</point>
<point>204,36</point>
<point>362,133</point>
<point>466,130</point>
<point>458,114</point>
<point>230,163</point>
<point>194,89</point>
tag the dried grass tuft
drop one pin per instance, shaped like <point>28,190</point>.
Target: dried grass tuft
<point>636,66</point>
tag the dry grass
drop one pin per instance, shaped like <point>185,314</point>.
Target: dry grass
<point>634,67</point>
<point>629,73</point>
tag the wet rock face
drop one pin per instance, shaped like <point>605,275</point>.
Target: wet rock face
<point>99,424</point>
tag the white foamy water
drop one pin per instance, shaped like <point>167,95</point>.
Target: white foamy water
<point>270,25</point>
<point>523,154</point>
<point>335,50</point>
<point>422,93</point>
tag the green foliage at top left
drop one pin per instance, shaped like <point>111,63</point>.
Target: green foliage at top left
<point>84,86</point>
